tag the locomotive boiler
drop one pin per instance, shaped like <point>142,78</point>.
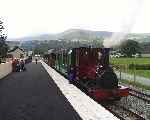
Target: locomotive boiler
<point>90,69</point>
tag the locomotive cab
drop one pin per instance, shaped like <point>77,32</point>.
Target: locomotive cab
<point>92,64</point>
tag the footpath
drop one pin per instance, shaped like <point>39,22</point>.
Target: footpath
<point>33,95</point>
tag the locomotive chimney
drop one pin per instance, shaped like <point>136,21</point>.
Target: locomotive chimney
<point>106,56</point>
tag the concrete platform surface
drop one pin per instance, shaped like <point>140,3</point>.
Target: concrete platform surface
<point>33,95</point>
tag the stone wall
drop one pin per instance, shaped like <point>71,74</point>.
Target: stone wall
<point>5,69</point>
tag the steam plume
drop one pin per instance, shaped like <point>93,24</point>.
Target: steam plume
<point>127,25</point>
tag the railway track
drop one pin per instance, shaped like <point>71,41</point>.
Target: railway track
<point>140,95</point>
<point>131,108</point>
<point>122,112</point>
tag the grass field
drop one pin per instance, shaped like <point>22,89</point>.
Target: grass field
<point>126,61</point>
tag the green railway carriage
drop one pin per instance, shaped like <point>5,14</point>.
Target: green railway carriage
<point>63,60</point>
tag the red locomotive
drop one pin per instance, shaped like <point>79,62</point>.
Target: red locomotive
<point>89,68</point>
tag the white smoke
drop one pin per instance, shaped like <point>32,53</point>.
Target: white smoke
<point>127,25</point>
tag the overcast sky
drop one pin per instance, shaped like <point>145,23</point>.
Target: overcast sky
<point>31,17</point>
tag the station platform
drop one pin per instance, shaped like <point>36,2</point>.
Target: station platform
<point>40,93</point>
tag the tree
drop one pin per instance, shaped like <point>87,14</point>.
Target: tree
<point>130,47</point>
<point>3,45</point>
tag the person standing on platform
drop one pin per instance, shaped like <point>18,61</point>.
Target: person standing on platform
<point>22,65</point>
<point>72,74</point>
<point>36,60</point>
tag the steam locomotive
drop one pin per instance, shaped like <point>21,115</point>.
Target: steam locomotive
<point>89,68</point>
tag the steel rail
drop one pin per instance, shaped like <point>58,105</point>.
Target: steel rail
<point>131,113</point>
<point>139,95</point>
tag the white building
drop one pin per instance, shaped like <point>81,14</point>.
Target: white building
<point>17,52</point>
<point>30,53</point>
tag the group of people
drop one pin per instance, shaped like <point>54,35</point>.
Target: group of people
<point>18,65</point>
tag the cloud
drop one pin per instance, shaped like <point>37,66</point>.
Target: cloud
<point>24,17</point>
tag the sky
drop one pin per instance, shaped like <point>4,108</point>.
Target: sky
<point>32,17</point>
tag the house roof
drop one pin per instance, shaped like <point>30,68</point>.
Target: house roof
<point>15,48</point>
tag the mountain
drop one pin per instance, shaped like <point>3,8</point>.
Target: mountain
<point>82,35</point>
<point>71,34</point>
<point>140,37</point>
<point>37,37</point>
<point>79,34</point>
<point>71,38</point>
